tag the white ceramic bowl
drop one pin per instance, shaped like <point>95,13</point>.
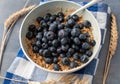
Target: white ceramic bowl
<point>41,10</point>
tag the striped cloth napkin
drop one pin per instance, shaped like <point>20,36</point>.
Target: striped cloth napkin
<point>23,69</point>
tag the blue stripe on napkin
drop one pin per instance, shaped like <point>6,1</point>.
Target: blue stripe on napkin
<point>20,53</point>
<point>13,76</point>
<point>93,8</point>
<point>8,75</point>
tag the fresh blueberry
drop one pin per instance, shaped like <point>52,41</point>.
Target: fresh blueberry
<point>48,60</point>
<point>46,18</point>
<point>45,33</point>
<point>75,32</point>
<point>75,17</point>
<point>29,35</point>
<point>81,26</point>
<point>46,53</point>
<point>68,30</point>
<point>59,39</point>
<point>53,27</point>
<point>42,21</point>
<point>87,24</point>
<point>68,17</point>
<point>52,49</point>
<point>54,54</point>
<point>86,46</point>
<point>61,19</point>
<point>75,47</point>
<point>35,32</point>
<point>86,34</point>
<point>35,49</point>
<point>76,26</point>
<point>82,51</point>
<point>31,28</point>
<point>59,50</point>
<point>40,29</point>
<point>50,35</point>
<point>80,55</point>
<point>71,51</point>
<point>89,53</point>
<point>76,41</point>
<point>64,41</point>
<point>73,64</point>
<point>56,67</point>
<point>56,22</point>
<point>88,41</point>
<point>71,22</point>
<point>55,43</point>
<point>65,61</point>
<point>44,45</point>
<point>38,44</point>
<point>44,25</point>
<point>76,56</point>
<point>68,26</point>
<point>60,14</point>
<point>84,58</point>
<point>39,19</point>
<point>71,38</point>
<point>60,26</point>
<point>41,52</point>
<point>82,37</point>
<point>45,29</point>
<point>39,36</point>
<point>48,23</point>
<point>68,54</point>
<point>62,55</point>
<point>53,18</point>
<point>44,39</point>
<point>48,14</point>
<point>65,47</point>
<point>62,33</point>
<point>55,60</point>
<point>50,43</point>
<point>92,42</point>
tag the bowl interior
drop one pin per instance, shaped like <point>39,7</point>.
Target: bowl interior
<point>53,7</point>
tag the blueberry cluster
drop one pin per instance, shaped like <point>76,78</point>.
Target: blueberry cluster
<point>59,39</point>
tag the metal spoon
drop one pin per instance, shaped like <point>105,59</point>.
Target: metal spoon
<point>85,6</point>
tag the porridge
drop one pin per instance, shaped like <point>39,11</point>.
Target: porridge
<point>60,42</point>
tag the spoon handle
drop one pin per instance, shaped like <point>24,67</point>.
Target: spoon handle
<point>86,6</point>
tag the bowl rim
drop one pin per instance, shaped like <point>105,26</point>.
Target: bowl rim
<point>66,71</point>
